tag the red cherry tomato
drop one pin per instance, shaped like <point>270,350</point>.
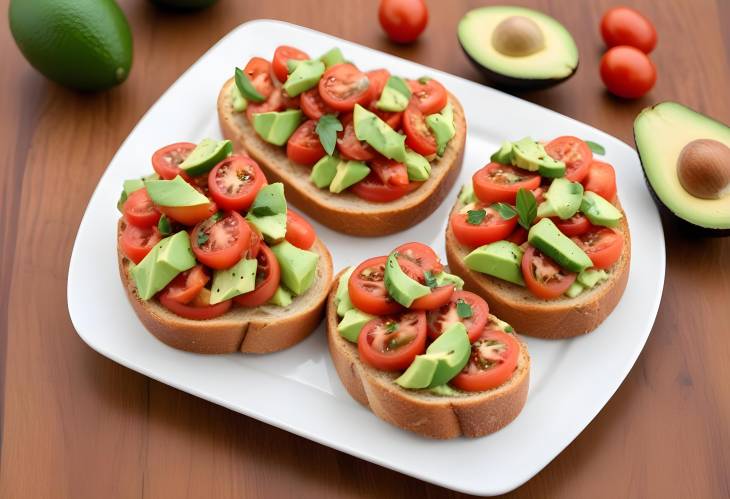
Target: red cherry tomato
<point>518,236</point>
<point>268,274</point>
<point>391,343</point>
<point>378,79</point>
<point>575,153</point>
<point>313,106</point>
<point>283,54</point>
<point>277,101</point>
<point>220,244</point>
<point>234,182</point>
<point>421,255</point>
<point>187,285</point>
<point>403,20</point>
<point>389,172</point>
<point>393,119</point>
<point>602,245</point>
<point>574,226</point>
<point>543,277</point>
<point>199,309</point>
<point>258,70</point>
<point>439,320</point>
<point>627,72</point>
<point>435,299</point>
<point>139,209</point>
<point>136,242</point>
<point>497,183</point>
<point>189,215</point>
<point>601,179</point>
<point>493,361</point>
<point>166,161</point>
<point>371,188</point>
<point>418,136</point>
<point>299,231</point>
<point>303,146</point>
<point>428,95</point>
<point>349,145</point>
<point>367,289</point>
<point>492,227</point>
<point>626,26</point>
<point>343,85</point>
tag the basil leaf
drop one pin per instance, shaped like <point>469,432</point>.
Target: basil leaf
<point>475,217</point>
<point>430,279</point>
<point>246,87</point>
<point>526,208</point>
<point>327,128</point>
<point>164,226</point>
<point>505,211</point>
<point>463,309</point>
<point>596,148</point>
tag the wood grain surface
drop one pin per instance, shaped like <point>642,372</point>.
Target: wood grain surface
<point>77,425</point>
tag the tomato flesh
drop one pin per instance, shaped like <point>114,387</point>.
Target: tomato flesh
<point>543,277</point>
<point>187,285</point>
<point>493,360</point>
<point>441,319</point>
<point>343,85</point>
<point>268,275</point>
<point>601,179</point>
<point>575,153</point>
<point>166,161</point>
<point>220,244</point>
<point>313,106</point>
<point>349,145</point>
<point>418,136</point>
<point>258,70</point>
<point>371,188</point>
<point>281,55</point>
<point>198,309</point>
<point>136,242</point>
<point>492,227</point>
<point>574,226</point>
<point>602,245</point>
<point>367,288</point>
<point>389,171</point>
<point>421,255</point>
<point>139,209</point>
<point>429,95</point>
<point>378,78</point>
<point>391,343</point>
<point>299,231</point>
<point>435,299</point>
<point>497,183</point>
<point>234,182</point>
<point>304,146</point>
<point>189,215</point>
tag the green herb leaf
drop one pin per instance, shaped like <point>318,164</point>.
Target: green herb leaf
<point>526,208</point>
<point>202,238</point>
<point>505,210</point>
<point>475,217</point>
<point>400,86</point>
<point>327,128</point>
<point>463,309</point>
<point>424,79</point>
<point>596,148</point>
<point>164,226</point>
<point>430,279</point>
<point>391,327</point>
<point>246,87</point>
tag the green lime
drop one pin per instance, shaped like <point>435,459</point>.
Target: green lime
<point>82,44</point>
<point>184,4</point>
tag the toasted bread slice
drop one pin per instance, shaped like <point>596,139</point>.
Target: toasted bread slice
<point>471,414</point>
<point>345,212</point>
<point>267,328</point>
<point>551,319</point>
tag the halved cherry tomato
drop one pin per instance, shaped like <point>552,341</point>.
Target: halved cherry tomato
<point>403,20</point>
<point>367,289</point>
<point>574,226</point>
<point>492,227</point>
<point>418,136</point>
<point>136,242</point>
<point>303,146</point>
<point>497,183</point>
<point>440,320</point>
<point>187,285</point>
<point>349,145</point>
<point>221,243</point>
<point>343,85</point>
<point>258,71</point>
<point>539,194</point>
<point>393,119</point>
<point>234,182</point>
<point>199,309</point>
<point>313,106</point>
<point>602,245</point>
<point>372,189</point>
<point>282,54</point>
<point>421,255</point>
<point>389,171</point>
<point>429,96</point>
<point>257,240</point>
<point>575,153</point>
<point>543,277</point>
<point>268,275</point>
<point>139,209</point>
<point>299,231</point>
<point>518,236</point>
<point>627,72</point>
<point>189,215</point>
<point>378,79</point>
<point>601,179</point>
<point>166,161</point>
<point>277,101</point>
<point>391,343</point>
<point>626,26</point>
<point>493,360</point>
<point>435,299</point>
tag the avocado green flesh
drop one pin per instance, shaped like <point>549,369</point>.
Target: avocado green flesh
<point>660,133</point>
<point>557,60</point>
<point>298,266</point>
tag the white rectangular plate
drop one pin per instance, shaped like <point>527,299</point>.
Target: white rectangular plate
<point>570,381</point>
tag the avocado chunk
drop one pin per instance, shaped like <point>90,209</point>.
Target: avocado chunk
<point>442,126</point>
<point>305,76</point>
<point>546,237</point>
<point>466,194</point>
<point>272,227</point>
<point>229,283</point>
<point>298,266</point>
<point>418,167</point>
<point>342,297</point>
<point>376,132</point>
<point>502,259</point>
<point>395,95</point>
<point>532,156</point>
<point>132,185</point>
<point>175,192</point>
<point>352,323</point>
<point>238,101</point>
<point>281,298</point>
<point>206,155</point>
<point>332,56</point>
<point>590,277</point>
<point>348,173</point>
<point>270,200</point>
<point>518,47</point>
<point>662,133</point>
<point>276,127</point>
<point>563,199</point>
<point>324,170</point>
<point>503,155</point>
<point>574,290</point>
<point>444,278</point>
<point>400,287</point>
<point>599,211</point>
<point>162,264</point>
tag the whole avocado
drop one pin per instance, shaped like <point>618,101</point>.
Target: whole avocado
<point>81,44</point>
<point>184,4</point>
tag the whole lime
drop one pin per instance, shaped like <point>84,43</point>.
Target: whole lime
<point>184,4</point>
<point>82,44</point>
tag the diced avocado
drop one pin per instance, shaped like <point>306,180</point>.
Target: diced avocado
<point>132,185</point>
<point>574,290</point>
<point>175,192</point>
<point>376,132</point>
<point>237,280</point>
<point>281,298</point>
<point>166,260</point>
<point>348,173</point>
<point>332,56</point>
<point>531,155</point>
<point>599,211</point>
<point>501,259</point>
<point>298,266</point>
<point>395,96</point>
<point>562,199</point>
<point>305,76</point>
<point>342,297</point>
<point>420,373</point>
<point>176,252</point>
<point>443,391</point>
<point>238,101</point>
<point>273,227</point>
<point>270,200</point>
<point>590,277</point>
<point>324,171</point>
<point>442,126</point>
<point>206,155</point>
<point>400,287</point>
<point>546,237</point>
<point>444,278</point>
<point>419,169</point>
<point>352,323</point>
<point>504,155</point>
<point>276,127</point>
<point>466,195</point>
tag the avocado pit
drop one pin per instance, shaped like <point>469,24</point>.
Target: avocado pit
<point>518,36</point>
<point>703,168</point>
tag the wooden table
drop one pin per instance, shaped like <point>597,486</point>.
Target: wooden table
<point>77,425</point>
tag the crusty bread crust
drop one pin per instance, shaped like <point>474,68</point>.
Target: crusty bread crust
<point>345,212</point>
<point>264,329</point>
<point>468,414</point>
<point>549,319</point>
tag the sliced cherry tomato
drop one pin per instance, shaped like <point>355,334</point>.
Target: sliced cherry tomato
<point>627,72</point>
<point>199,309</point>
<point>391,343</point>
<point>378,79</point>
<point>282,54</point>
<point>574,226</point>
<point>393,119</point>
<point>187,285</point>
<point>421,255</point>
<point>492,227</point>
<point>258,71</point>
<point>372,189</point>
<point>389,172</point>
<point>418,136</point>
<point>268,275</point>
<point>256,241</point>
<point>313,106</point>
<point>166,161</point>
<point>497,183</point>
<point>221,243</point>
<point>440,320</point>
<point>539,194</point>
<point>343,85</point>
<point>403,20</point>
<point>518,236</point>
<point>429,95</point>
<point>139,209</point>
<point>575,153</point>
<point>435,299</point>
<point>602,245</point>
<point>299,231</point>
<point>136,242</point>
<point>234,182</point>
<point>601,179</point>
<point>626,26</point>
<point>349,145</point>
<point>543,277</point>
<point>493,361</point>
<point>277,101</point>
<point>303,146</point>
<point>367,289</point>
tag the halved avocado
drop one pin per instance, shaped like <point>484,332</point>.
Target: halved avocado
<point>518,47</point>
<point>667,136</point>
